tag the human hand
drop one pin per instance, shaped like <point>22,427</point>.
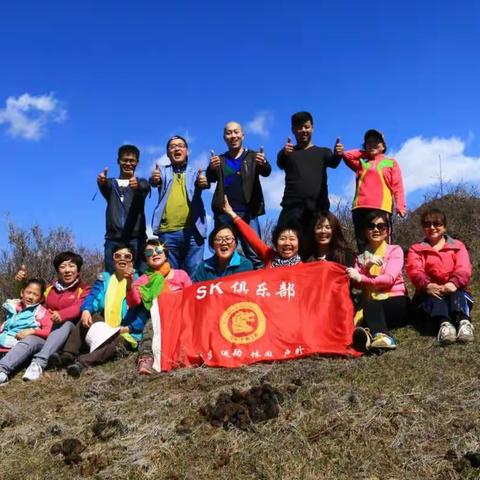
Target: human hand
<point>338,150</point>
<point>260,157</point>
<point>202,181</point>
<point>401,213</point>
<point>24,333</point>
<point>156,177</point>
<point>133,183</point>
<point>227,208</point>
<point>214,160</point>
<point>374,260</point>
<point>354,274</point>
<point>21,275</point>
<point>86,319</point>
<point>448,288</point>
<point>288,148</point>
<point>124,330</point>
<point>434,290</point>
<point>102,177</point>
<point>56,318</point>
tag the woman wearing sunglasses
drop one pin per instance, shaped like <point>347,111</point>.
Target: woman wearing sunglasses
<point>378,272</point>
<point>159,278</point>
<point>440,269</point>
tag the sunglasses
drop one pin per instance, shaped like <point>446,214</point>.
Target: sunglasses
<point>381,227</point>
<point>123,256</point>
<point>158,250</point>
<point>220,240</point>
<point>432,224</point>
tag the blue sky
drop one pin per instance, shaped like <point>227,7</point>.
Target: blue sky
<point>81,78</point>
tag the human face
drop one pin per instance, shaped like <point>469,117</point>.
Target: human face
<point>233,136</point>
<point>128,163</point>
<point>155,256</point>
<point>374,145</point>
<point>434,229</point>
<point>377,231</point>
<point>31,294</point>
<point>287,244</point>
<point>303,133</point>
<point>224,245</point>
<point>323,232</point>
<point>122,259</point>
<point>177,151</point>
<point>67,272</point>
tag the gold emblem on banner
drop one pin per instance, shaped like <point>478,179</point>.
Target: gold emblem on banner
<point>243,322</point>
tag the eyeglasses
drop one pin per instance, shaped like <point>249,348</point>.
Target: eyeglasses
<point>176,145</point>
<point>158,250</point>
<point>131,161</point>
<point>122,256</point>
<point>381,227</point>
<point>220,240</point>
<point>432,224</point>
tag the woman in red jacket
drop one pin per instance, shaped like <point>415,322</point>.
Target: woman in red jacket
<point>440,269</point>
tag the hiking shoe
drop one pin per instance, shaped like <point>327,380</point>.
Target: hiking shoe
<point>465,332</point>
<point>361,339</point>
<point>75,370</point>
<point>383,341</point>
<point>3,378</point>
<point>33,372</point>
<point>60,360</point>
<point>144,365</point>
<point>447,334</point>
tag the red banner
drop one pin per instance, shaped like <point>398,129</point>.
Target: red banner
<point>264,315</point>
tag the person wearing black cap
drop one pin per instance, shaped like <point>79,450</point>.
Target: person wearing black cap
<point>179,219</point>
<point>379,182</point>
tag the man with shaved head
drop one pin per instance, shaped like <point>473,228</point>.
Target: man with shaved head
<point>237,173</point>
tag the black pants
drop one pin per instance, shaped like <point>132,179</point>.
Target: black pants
<point>382,315</point>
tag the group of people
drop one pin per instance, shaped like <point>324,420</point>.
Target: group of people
<point>74,326</point>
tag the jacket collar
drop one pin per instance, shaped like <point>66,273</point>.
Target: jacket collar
<point>235,261</point>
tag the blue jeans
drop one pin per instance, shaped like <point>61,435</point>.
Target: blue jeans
<point>247,249</point>
<point>185,249</point>
<point>138,244</point>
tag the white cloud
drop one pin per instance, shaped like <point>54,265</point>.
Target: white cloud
<point>260,125</point>
<point>200,161</point>
<point>419,159</point>
<point>273,187</point>
<point>161,160</point>
<point>28,115</point>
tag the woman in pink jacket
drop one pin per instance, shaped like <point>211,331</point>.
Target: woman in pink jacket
<point>440,269</point>
<point>378,272</point>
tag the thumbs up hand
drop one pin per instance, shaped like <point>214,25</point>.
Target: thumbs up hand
<point>214,160</point>
<point>102,177</point>
<point>21,275</point>
<point>156,177</point>
<point>202,181</point>
<point>133,183</point>
<point>260,157</point>
<point>338,150</point>
<point>288,148</point>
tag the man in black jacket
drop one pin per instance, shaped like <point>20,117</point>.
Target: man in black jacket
<point>125,214</point>
<point>237,174</point>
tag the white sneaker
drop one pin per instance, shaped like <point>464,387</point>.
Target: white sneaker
<point>465,332</point>
<point>3,378</point>
<point>33,372</point>
<point>447,334</point>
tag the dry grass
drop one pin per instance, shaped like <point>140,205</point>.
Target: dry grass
<point>407,414</point>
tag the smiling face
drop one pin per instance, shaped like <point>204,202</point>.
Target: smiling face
<point>434,228</point>
<point>177,151</point>
<point>122,259</point>
<point>233,135</point>
<point>224,245</point>
<point>155,256</point>
<point>287,244</point>
<point>67,272</point>
<point>128,163</point>
<point>376,231</point>
<point>323,232</point>
<point>374,145</point>
<point>303,133</point>
<point>31,294</point>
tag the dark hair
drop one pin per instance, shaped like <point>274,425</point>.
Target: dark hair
<point>338,247</point>
<point>373,214</point>
<point>67,257</point>
<point>435,213</point>
<point>214,232</point>
<point>375,134</point>
<point>37,281</point>
<point>124,149</point>
<point>176,137</point>
<point>121,246</point>
<point>279,229</point>
<point>300,118</point>
<point>155,242</point>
